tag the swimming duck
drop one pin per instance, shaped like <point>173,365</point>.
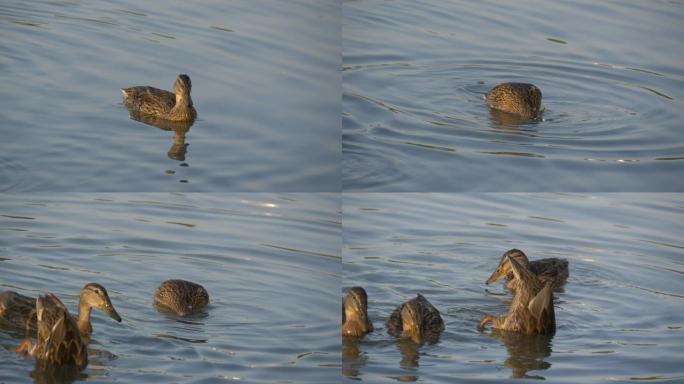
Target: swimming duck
<point>416,319</point>
<point>551,270</point>
<point>531,311</point>
<point>19,311</point>
<point>355,321</point>
<point>156,102</point>
<point>59,341</point>
<point>181,297</point>
<point>517,98</point>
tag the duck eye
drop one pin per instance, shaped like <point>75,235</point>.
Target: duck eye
<point>97,291</point>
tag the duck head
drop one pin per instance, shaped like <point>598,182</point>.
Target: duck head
<point>94,295</point>
<point>504,269</point>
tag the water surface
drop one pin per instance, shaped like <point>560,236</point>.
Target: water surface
<point>415,72</point>
<point>270,262</point>
<point>619,317</point>
<point>265,82</point>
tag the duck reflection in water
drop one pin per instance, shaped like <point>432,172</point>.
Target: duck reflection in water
<point>525,353</point>
<point>504,122</point>
<point>50,374</point>
<point>353,360</point>
<point>179,128</point>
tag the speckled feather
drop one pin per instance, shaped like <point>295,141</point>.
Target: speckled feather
<point>19,311</point>
<point>59,341</point>
<point>517,98</point>
<point>432,323</point>
<point>181,296</point>
<point>163,104</point>
<point>520,317</point>
<point>357,324</point>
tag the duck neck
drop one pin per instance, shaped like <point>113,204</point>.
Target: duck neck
<point>183,100</point>
<point>83,322</point>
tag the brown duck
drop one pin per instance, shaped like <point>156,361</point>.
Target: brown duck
<point>417,320</point>
<point>19,311</point>
<point>181,297</point>
<point>520,99</point>
<point>531,311</point>
<point>176,106</point>
<point>355,321</point>
<point>552,270</point>
<point>59,340</point>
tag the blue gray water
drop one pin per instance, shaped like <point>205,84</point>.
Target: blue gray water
<point>265,82</point>
<point>619,317</point>
<point>271,264</point>
<point>415,72</point>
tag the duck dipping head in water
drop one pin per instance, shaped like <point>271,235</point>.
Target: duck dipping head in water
<point>520,99</point>
<point>417,320</point>
<point>355,321</point>
<point>181,297</point>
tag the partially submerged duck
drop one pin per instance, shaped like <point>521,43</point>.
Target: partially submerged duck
<point>181,297</point>
<point>19,311</point>
<point>59,340</point>
<point>531,311</point>
<point>551,270</point>
<point>355,321</point>
<point>176,106</point>
<point>417,320</point>
<point>520,99</point>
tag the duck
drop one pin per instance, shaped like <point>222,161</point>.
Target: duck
<point>520,99</point>
<point>19,311</point>
<point>417,320</point>
<point>531,311</point>
<point>551,270</point>
<point>59,340</point>
<point>176,106</point>
<point>181,297</point>
<point>355,321</point>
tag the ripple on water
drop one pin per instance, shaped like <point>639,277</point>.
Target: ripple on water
<point>426,89</point>
<point>618,315</point>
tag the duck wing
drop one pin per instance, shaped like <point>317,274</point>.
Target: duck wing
<point>541,308</point>
<point>551,270</point>
<point>18,311</point>
<point>59,341</point>
<point>394,322</point>
<point>149,100</point>
<point>432,320</point>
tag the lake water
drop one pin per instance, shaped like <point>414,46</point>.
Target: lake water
<point>265,82</point>
<point>415,72</point>
<point>271,264</point>
<point>619,318</point>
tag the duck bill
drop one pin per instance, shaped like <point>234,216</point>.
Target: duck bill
<point>112,313</point>
<point>493,278</point>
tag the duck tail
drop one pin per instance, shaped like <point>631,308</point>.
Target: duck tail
<point>124,92</point>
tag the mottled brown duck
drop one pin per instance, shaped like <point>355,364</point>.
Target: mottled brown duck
<point>19,311</point>
<point>176,106</point>
<point>520,99</point>
<point>531,311</point>
<point>417,320</point>
<point>181,297</point>
<point>551,270</point>
<point>355,321</point>
<point>59,340</point>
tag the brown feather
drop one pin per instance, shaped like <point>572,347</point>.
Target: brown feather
<point>181,297</point>
<point>427,323</point>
